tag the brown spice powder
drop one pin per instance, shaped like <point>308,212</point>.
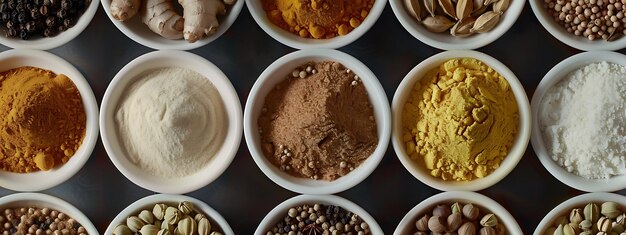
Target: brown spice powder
<point>320,126</point>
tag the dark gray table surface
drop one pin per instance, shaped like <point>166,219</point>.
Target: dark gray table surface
<point>243,195</point>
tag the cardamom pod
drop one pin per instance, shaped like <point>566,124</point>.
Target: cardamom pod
<point>437,24</point>
<point>456,208</point>
<point>447,7</point>
<point>464,8</point>
<point>610,210</point>
<point>462,27</point>
<point>487,2</point>
<point>489,220</point>
<point>604,224</point>
<point>187,226</point>
<point>585,225</point>
<point>559,230</point>
<point>149,229</point>
<point>414,8</point>
<point>561,220</point>
<point>422,223</point>
<point>470,211</point>
<point>454,221</point>
<point>431,7</point>
<point>204,227</point>
<point>576,216</point>
<point>569,230</point>
<point>164,232</point>
<point>198,217</point>
<point>146,216</point>
<point>591,212</point>
<point>122,230</point>
<point>134,223</point>
<point>479,11</point>
<point>159,211</point>
<point>486,22</point>
<point>185,207</point>
<point>172,215</point>
<point>501,5</point>
<point>487,231</point>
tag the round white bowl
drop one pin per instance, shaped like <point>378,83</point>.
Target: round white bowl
<point>576,202</point>
<point>295,41</point>
<point>558,72</point>
<point>407,224</point>
<point>276,73</point>
<point>444,40</point>
<point>47,43</point>
<point>42,180</point>
<point>46,201</point>
<point>218,163</point>
<point>148,202</point>
<point>136,30</point>
<point>578,42</point>
<point>519,144</point>
<point>279,212</point>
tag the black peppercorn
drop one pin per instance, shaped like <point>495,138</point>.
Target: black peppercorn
<point>11,4</point>
<point>24,35</point>
<point>30,6</point>
<point>11,32</point>
<point>69,22</point>
<point>22,18</point>
<point>30,26</point>
<point>34,14</point>
<point>10,24</point>
<point>61,14</point>
<point>5,17</point>
<point>43,10</point>
<point>66,4</point>
<point>49,32</point>
<point>50,21</point>
<point>19,7</point>
<point>3,7</point>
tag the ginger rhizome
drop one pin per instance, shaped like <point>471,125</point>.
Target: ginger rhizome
<point>199,17</point>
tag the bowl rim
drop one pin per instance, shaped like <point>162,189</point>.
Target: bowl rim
<point>407,21</point>
<point>146,201</point>
<point>232,106</point>
<point>577,200</point>
<point>225,24</point>
<point>462,196</point>
<point>66,207</point>
<point>516,151</point>
<point>378,99</point>
<point>84,152</point>
<point>282,208</point>
<point>291,40</point>
<point>569,39</point>
<point>553,76</point>
<point>47,43</point>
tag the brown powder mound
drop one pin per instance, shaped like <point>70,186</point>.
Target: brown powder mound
<point>321,126</point>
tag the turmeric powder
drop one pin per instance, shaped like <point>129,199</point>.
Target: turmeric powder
<point>42,119</point>
<point>460,120</point>
<point>319,19</point>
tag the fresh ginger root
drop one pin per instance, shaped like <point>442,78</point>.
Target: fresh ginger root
<point>201,17</point>
<point>124,9</point>
<point>161,18</point>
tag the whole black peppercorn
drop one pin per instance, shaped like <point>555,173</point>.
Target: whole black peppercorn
<point>4,8</point>
<point>34,14</point>
<point>66,4</point>
<point>11,4</point>
<point>43,10</point>
<point>62,28</point>
<point>61,14</point>
<point>10,25</point>
<point>68,22</point>
<point>11,33</point>
<point>5,16</point>
<point>22,18</point>
<point>50,21</point>
<point>20,7</point>
<point>31,27</point>
<point>38,2</point>
<point>24,35</point>
<point>30,6</point>
<point>49,32</point>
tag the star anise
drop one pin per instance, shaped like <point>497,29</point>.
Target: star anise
<point>312,229</point>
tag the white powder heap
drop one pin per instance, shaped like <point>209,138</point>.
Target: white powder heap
<point>583,118</point>
<point>171,122</point>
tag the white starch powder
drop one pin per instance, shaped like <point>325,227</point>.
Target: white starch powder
<point>583,117</point>
<point>171,121</point>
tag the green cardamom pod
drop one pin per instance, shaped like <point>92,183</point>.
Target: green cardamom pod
<point>591,212</point>
<point>489,220</point>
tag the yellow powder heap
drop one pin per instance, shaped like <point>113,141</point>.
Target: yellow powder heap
<point>460,120</point>
<point>317,18</point>
<point>42,119</point>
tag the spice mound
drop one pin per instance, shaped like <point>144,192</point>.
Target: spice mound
<point>164,219</point>
<point>319,19</point>
<point>318,123</point>
<point>583,121</point>
<point>171,121</point>
<point>460,120</point>
<point>458,218</point>
<point>318,219</point>
<point>39,221</point>
<point>593,218</point>
<point>40,18</point>
<point>42,119</point>
<point>592,19</point>
<point>461,18</point>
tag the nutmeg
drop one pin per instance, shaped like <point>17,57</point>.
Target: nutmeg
<point>437,224</point>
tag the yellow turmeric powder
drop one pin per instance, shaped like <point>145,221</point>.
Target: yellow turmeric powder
<point>317,19</point>
<point>42,119</point>
<point>460,120</point>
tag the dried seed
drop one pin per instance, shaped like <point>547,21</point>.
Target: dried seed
<point>431,7</point>
<point>447,7</point>
<point>464,8</point>
<point>486,22</point>
<point>414,8</point>
<point>462,27</point>
<point>501,5</point>
<point>437,24</point>
<point>614,34</point>
<point>479,11</point>
<point>478,4</point>
<point>487,2</point>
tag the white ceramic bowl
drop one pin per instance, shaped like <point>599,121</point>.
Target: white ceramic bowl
<point>578,42</point>
<point>519,144</point>
<point>279,212</point>
<point>576,202</point>
<point>558,72</point>
<point>407,224</point>
<point>295,41</point>
<point>136,30</point>
<point>46,201</point>
<point>47,43</point>
<point>276,73</point>
<point>444,40</point>
<point>148,202</point>
<point>43,180</point>
<point>218,163</point>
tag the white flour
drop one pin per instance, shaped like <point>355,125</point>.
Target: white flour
<point>583,120</point>
<point>171,121</point>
